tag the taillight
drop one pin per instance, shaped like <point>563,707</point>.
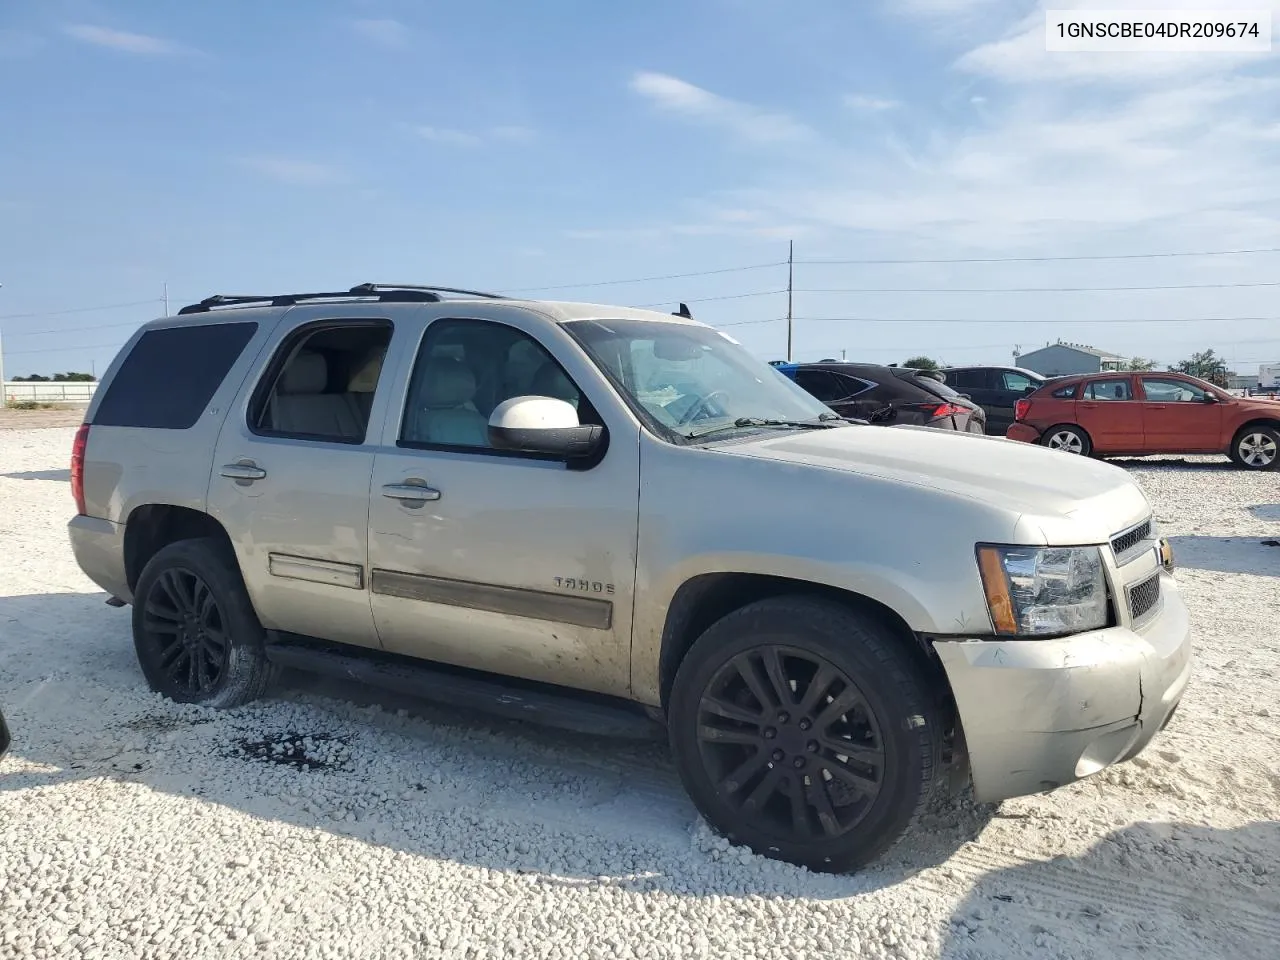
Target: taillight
<point>1020,408</point>
<point>946,410</point>
<point>77,466</point>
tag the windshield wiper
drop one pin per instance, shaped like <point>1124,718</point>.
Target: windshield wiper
<point>822,422</point>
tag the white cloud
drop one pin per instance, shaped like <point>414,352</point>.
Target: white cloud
<point>293,171</point>
<point>455,138</point>
<point>862,101</point>
<point>122,40</point>
<point>513,132</point>
<point>387,33</point>
<point>744,120</point>
<point>450,136</point>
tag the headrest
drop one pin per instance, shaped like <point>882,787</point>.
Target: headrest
<point>365,378</point>
<point>447,383</point>
<point>550,381</point>
<point>305,373</point>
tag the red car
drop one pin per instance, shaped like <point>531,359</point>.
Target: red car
<point>1134,414</point>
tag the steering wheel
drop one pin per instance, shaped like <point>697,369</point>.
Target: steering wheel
<point>699,406</point>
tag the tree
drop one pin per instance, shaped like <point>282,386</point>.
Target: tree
<point>921,363</point>
<point>1140,363</point>
<point>1206,365</point>
<point>69,377</point>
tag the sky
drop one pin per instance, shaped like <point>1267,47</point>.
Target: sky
<point>551,148</point>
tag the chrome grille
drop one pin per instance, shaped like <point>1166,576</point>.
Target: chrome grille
<point>1144,596</point>
<point>1126,541</point>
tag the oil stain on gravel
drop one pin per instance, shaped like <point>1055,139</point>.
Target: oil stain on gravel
<point>302,752</point>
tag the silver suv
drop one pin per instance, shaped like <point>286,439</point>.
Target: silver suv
<point>568,511</point>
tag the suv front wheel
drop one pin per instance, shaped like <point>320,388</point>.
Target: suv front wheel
<point>806,731</point>
<point>194,628</point>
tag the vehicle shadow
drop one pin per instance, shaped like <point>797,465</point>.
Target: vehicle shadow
<point>386,769</point>
<point>1172,463</point>
<point>38,475</point>
<point>1227,555</point>
<point>1153,889</point>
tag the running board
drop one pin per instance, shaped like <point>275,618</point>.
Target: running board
<point>542,704</point>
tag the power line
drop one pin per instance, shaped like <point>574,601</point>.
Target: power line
<point>94,326</point>
<point>60,313</point>
<point>731,296</point>
<point>1170,286</point>
<point>1050,259</point>
<point>1020,321</point>
<point>76,348</point>
<point>670,276</point>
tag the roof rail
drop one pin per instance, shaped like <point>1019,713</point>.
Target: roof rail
<point>382,292</point>
<point>372,288</point>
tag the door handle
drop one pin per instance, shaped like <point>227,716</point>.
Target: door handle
<point>243,471</point>
<point>415,491</point>
<point>1089,406</point>
<point>1155,406</point>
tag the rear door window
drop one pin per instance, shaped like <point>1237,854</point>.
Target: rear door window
<point>821,385</point>
<point>171,374</point>
<point>1108,390</point>
<point>1017,382</point>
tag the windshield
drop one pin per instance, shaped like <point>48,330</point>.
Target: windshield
<point>687,380</point>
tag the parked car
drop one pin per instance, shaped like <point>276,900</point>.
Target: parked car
<point>621,521</point>
<point>1136,414</point>
<point>887,395</point>
<point>995,389</point>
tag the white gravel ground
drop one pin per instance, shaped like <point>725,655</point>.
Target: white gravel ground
<point>130,827</point>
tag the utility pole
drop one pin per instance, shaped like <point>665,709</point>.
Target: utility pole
<point>166,299</point>
<point>4,397</point>
<point>791,251</point>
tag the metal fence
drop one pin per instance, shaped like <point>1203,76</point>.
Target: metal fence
<point>47,392</point>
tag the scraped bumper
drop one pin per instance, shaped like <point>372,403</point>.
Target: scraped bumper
<point>1037,714</point>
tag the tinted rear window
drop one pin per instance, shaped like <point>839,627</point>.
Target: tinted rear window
<point>171,375</point>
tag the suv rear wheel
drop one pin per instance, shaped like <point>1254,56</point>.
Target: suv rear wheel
<point>197,637</point>
<point>806,731</point>
<point>1256,448</point>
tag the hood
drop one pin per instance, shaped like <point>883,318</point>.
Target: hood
<point>1065,496</point>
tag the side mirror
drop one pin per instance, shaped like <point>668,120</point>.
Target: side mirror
<point>4,736</point>
<point>1209,398</point>
<point>542,425</point>
<point>1029,389</point>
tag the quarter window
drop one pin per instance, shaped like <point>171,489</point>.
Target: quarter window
<point>465,369</point>
<point>1108,390</point>
<point>171,374</point>
<point>821,384</point>
<point>323,382</point>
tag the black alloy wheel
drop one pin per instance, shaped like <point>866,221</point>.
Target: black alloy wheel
<point>184,624</point>
<point>807,730</point>
<point>197,636</point>
<point>791,742</point>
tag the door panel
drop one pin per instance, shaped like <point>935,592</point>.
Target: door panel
<point>1112,417</point>
<point>297,505</point>
<point>1176,418</point>
<point>509,564</point>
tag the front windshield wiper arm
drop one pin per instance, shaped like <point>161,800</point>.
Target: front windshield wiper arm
<point>822,422</point>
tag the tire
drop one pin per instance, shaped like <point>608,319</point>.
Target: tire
<point>1256,448</point>
<point>844,811</point>
<point>221,661</point>
<point>1068,439</point>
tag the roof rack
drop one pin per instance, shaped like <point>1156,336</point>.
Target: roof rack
<point>382,292</point>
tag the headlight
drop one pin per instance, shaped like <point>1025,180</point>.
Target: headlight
<point>1044,591</point>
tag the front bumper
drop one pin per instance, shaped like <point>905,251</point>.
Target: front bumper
<point>1037,714</point>
<point>1022,431</point>
<point>98,546</point>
